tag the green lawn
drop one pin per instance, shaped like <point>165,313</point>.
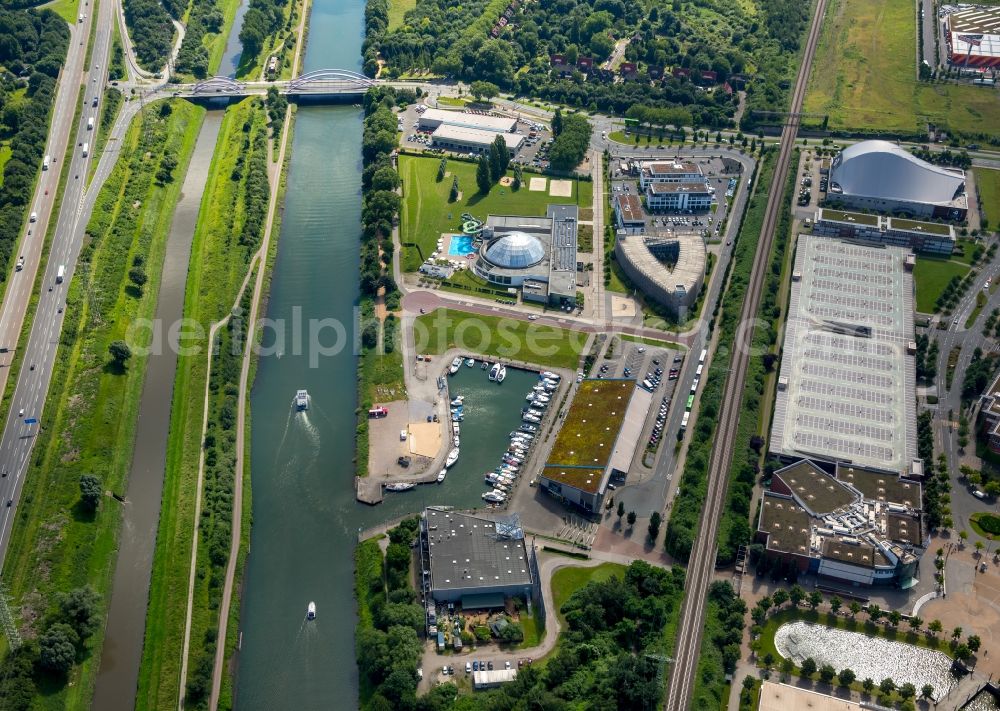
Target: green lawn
<point>68,10</point>
<point>988,182</point>
<point>660,343</point>
<point>92,409</point>
<point>5,153</point>
<point>931,276</point>
<point>218,265</point>
<point>426,212</point>
<point>532,631</point>
<point>864,75</point>
<point>511,339</point>
<point>398,8</point>
<point>566,581</point>
<point>989,520</point>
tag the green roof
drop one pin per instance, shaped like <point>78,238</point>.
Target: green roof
<point>591,427</point>
<point>933,228</point>
<point>856,217</point>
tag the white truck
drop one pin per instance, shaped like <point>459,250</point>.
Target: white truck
<point>86,149</point>
<point>45,163</point>
<point>90,124</point>
<point>61,274</point>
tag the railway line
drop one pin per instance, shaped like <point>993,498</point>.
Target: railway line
<point>702,561</point>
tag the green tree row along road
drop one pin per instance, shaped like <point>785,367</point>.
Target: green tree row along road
<point>62,540</point>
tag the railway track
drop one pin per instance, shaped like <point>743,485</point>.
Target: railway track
<point>702,561</point>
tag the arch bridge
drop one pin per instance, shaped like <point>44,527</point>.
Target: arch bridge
<point>322,82</point>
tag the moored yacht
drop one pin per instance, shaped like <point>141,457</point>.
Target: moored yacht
<point>400,486</point>
<point>495,371</point>
<point>502,374</point>
<point>311,611</point>
<point>441,475</point>
<point>452,457</point>
<point>455,365</point>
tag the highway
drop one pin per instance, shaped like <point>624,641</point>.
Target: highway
<point>28,400</point>
<point>702,562</point>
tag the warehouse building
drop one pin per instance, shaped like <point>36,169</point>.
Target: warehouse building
<point>472,140</point>
<point>881,176</point>
<point>924,237</point>
<point>596,442</point>
<point>669,270</point>
<point>860,526</point>
<point>474,560</point>
<point>972,35</point>
<point>693,196</point>
<point>535,254</point>
<point>629,215</point>
<point>433,118</point>
<point>670,172</point>
<point>847,378</point>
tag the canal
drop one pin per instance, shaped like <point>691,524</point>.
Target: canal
<point>305,517</point>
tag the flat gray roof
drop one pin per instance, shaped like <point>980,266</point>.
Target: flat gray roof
<point>476,136</point>
<point>483,122</point>
<point>846,385</point>
<point>465,552</point>
<point>631,431</point>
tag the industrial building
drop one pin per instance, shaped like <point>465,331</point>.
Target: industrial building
<point>847,379</point>
<point>465,140</point>
<point>535,254</point>
<point>881,176</point>
<point>669,172</point>
<point>433,118</point>
<point>860,526</point>
<point>925,237</point>
<point>692,196</point>
<point>474,560</point>
<point>596,442</point>
<point>972,35</point>
<point>670,270</point>
<point>629,215</point>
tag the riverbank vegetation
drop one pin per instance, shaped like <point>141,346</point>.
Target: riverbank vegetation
<point>514,340</point>
<point>61,541</point>
<point>151,30</point>
<point>682,58</point>
<point>263,19</point>
<point>205,34</point>
<point>36,49</point>
<point>279,44</point>
<point>864,78</point>
<point>230,224</point>
<point>428,211</point>
<point>686,512</point>
<point>389,619</point>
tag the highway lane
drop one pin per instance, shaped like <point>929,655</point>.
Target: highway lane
<point>701,565</point>
<point>28,400</point>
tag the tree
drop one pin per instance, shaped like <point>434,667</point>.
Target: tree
<point>915,623</point>
<point>557,122</point>
<point>91,491</point>
<point>855,608</point>
<point>808,667</point>
<point>748,682</point>
<point>962,652</point>
<point>442,169</point>
<point>874,612</point>
<point>815,598</point>
<point>483,175</point>
<point>907,691</point>
<point>964,535</point>
<point>631,518</point>
<point>80,608</point>
<point>484,89</point>
<point>887,686</point>
<point>137,275</point>
<point>120,352</point>
<point>835,604</point>
<point>499,158</point>
<point>935,627</point>
<point>787,666</point>
<point>895,617</point>
<point>956,633</point>
<point>518,177</point>
<point>868,684</point>
<point>654,525</point>
<point>57,648</point>
<point>846,677</point>
<point>826,673</point>
<point>453,195</point>
<point>780,597</point>
<point>927,691</point>
<point>974,643</point>
<point>796,595</point>
<point>621,510</point>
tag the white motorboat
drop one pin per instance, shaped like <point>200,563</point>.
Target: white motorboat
<point>455,365</point>
<point>400,486</point>
<point>495,371</point>
<point>441,475</point>
<point>539,388</point>
<point>528,417</point>
<point>550,375</point>
<point>494,497</point>
<point>452,457</point>
<point>470,362</point>
<point>301,400</point>
<point>457,400</point>
<point>528,428</point>
<point>502,374</point>
<point>455,440</point>
<point>485,365</point>
<point>311,611</point>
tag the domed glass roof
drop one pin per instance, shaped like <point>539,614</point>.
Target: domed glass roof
<point>515,250</point>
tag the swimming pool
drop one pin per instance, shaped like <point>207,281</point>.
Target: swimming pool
<point>460,245</point>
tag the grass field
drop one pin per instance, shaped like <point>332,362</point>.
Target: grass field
<point>566,581</point>
<point>864,76</point>
<point>92,408</point>
<point>511,339</point>
<point>931,276</point>
<point>5,153</point>
<point>426,212</point>
<point>398,8</point>
<point>66,9</point>
<point>988,182</point>
<point>218,265</point>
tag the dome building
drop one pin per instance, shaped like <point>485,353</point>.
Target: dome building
<point>881,176</point>
<point>534,254</point>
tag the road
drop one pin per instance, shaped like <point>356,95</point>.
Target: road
<point>36,372</point>
<point>702,562</point>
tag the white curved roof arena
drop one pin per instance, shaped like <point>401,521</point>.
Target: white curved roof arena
<point>884,171</point>
<point>515,250</point>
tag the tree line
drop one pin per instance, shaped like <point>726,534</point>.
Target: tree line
<point>262,19</point>
<point>205,18</point>
<point>33,46</point>
<point>151,29</point>
<point>572,139</point>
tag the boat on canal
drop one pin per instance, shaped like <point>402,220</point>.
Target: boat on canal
<point>311,611</point>
<point>495,371</point>
<point>452,458</point>
<point>302,400</point>
<point>442,474</point>
<point>455,365</point>
<point>502,374</point>
<point>400,486</point>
